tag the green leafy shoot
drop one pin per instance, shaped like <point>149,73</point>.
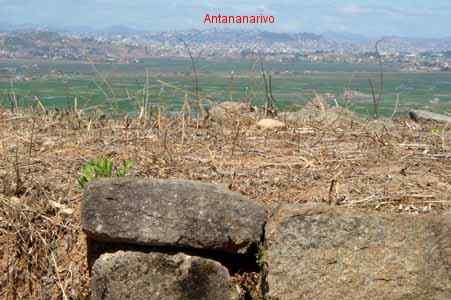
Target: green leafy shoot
<point>102,168</point>
<point>126,166</point>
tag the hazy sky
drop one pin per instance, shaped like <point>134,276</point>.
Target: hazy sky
<point>426,18</point>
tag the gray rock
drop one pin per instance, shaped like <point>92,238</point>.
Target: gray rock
<point>229,110</point>
<point>317,252</point>
<point>135,275</point>
<point>269,124</point>
<point>311,114</point>
<point>172,213</point>
<point>424,115</point>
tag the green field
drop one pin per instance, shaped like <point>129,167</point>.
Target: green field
<point>122,86</point>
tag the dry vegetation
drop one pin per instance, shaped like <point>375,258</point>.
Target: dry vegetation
<point>324,155</point>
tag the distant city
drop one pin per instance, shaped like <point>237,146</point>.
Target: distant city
<point>128,46</point>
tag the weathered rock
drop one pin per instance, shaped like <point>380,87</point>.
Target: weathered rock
<point>314,114</point>
<point>424,115</point>
<point>229,110</point>
<point>270,124</point>
<point>136,275</point>
<point>174,213</point>
<point>317,252</point>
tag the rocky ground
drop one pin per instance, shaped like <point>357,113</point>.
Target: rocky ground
<point>321,154</point>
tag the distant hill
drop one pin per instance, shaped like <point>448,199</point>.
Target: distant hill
<point>221,35</point>
<point>415,44</point>
<point>233,36</point>
<point>78,29</point>
<point>72,41</point>
<point>120,29</point>
<point>345,37</point>
<point>323,41</point>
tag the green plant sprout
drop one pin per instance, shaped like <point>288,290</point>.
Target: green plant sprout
<point>102,168</point>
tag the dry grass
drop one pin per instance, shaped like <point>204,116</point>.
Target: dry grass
<point>328,155</point>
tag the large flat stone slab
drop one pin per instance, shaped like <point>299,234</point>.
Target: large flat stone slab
<point>173,213</point>
<point>155,276</point>
<point>317,252</point>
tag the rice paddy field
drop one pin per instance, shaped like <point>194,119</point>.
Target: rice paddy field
<point>165,82</point>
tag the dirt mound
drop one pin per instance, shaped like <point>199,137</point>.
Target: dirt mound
<point>228,111</point>
<point>320,111</point>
